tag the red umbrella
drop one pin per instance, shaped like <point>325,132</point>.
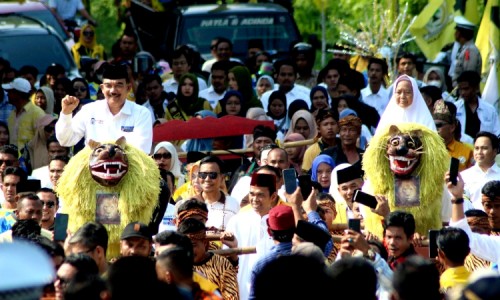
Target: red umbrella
<point>208,127</point>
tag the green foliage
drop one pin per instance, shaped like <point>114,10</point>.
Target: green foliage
<point>108,29</point>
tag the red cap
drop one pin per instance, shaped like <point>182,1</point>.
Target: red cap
<point>281,218</point>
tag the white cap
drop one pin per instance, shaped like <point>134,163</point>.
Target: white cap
<point>24,265</point>
<point>464,23</point>
<point>19,84</point>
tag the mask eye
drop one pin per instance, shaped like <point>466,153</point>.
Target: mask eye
<point>395,142</point>
<point>411,144</point>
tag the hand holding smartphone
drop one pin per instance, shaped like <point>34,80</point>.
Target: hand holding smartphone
<point>354,224</point>
<point>305,185</point>
<point>433,248</point>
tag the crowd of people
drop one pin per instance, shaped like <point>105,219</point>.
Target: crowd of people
<point>231,228</point>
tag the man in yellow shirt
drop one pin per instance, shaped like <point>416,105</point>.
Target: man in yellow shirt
<point>446,124</point>
<point>453,248</point>
<point>22,120</point>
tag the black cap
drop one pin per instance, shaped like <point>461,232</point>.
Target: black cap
<point>136,229</point>
<point>348,174</point>
<point>194,156</point>
<point>312,233</point>
<point>115,72</point>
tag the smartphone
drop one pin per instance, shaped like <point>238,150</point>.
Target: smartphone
<point>290,179</point>
<point>454,164</point>
<point>354,224</point>
<point>433,248</point>
<point>306,186</point>
<point>365,199</point>
<point>60,227</point>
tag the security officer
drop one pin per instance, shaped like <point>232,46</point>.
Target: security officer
<point>468,56</point>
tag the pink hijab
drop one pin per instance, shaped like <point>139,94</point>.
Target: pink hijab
<point>297,162</point>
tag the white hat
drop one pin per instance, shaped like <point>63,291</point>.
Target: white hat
<point>464,23</point>
<point>19,84</point>
<point>24,265</point>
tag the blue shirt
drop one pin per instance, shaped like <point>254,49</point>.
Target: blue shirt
<point>314,218</point>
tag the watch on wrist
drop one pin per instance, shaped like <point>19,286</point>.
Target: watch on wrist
<point>457,201</point>
<point>370,254</point>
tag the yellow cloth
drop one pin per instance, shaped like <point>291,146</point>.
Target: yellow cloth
<point>453,277</point>
<point>310,154</point>
<point>341,217</point>
<point>26,124</point>
<point>204,283</point>
<point>463,153</point>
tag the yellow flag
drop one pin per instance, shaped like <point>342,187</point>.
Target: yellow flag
<point>434,27</point>
<point>488,43</point>
<point>467,9</point>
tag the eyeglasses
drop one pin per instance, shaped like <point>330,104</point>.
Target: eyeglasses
<point>80,89</point>
<point>204,175</point>
<point>62,281</point>
<point>439,125</point>
<point>159,156</point>
<point>88,33</point>
<point>49,204</point>
<point>7,162</point>
<point>49,128</point>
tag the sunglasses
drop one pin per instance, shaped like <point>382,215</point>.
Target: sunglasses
<point>439,125</point>
<point>80,89</point>
<point>204,175</point>
<point>49,204</point>
<point>88,33</point>
<point>7,162</point>
<point>159,156</point>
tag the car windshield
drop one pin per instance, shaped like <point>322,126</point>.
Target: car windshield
<point>275,30</point>
<point>36,50</point>
<point>48,18</point>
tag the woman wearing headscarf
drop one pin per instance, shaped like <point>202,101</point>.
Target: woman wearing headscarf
<point>406,106</point>
<point>303,123</point>
<point>37,147</point>
<point>435,77</point>
<point>87,46</point>
<point>295,154</point>
<point>232,103</point>
<point>276,109</point>
<point>166,157</point>
<point>321,171</point>
<point>319,99</point>
<point>200,144</point>
<point>187,101</point>
<point>239,79</point>
<point>264,83</point>
<point>44,98</point>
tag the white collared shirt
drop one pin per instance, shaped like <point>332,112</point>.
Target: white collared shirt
<point>211,96</point>
<point>377,100</point>
<point>151,110</point>
<point>474,180</point>
<point>297,92</point>
<point>95,121</point>
<point>486,113</point>
<point>171,85</point>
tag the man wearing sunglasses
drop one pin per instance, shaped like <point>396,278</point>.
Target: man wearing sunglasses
<point>50,204</point>
<point>107,120</point>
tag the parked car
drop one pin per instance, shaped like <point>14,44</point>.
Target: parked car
<point>26,41</point>
<point>197,25</point>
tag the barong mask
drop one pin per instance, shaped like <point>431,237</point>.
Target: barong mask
<point>403,151</point>
<point>108,162</point>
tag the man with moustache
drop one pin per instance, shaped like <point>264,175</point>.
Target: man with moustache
<point>107,120</point>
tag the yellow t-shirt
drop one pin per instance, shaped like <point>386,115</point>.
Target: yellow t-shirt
<point>452,277</point>
<point>463,153</point>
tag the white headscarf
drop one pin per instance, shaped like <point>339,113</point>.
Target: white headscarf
<point>334,185</point>
<point>417,112</point>
<point>175,165</point>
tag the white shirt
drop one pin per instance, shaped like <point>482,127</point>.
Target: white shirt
<point>151,110</point>
<point>297,92</point>
<point>378,101</point>
<point>167,222</point>
<point>171,85</point>
<point>211,96</point>
<point>66,9</point>
<point>474,180</point>
<point>250,229</point>
<point>482,245</point>
<point>95,121</point>
<point>220,213</point>
<point>486,113</point>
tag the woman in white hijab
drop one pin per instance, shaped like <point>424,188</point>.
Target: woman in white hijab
<point>165,156</point>
<point>406,106</point>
